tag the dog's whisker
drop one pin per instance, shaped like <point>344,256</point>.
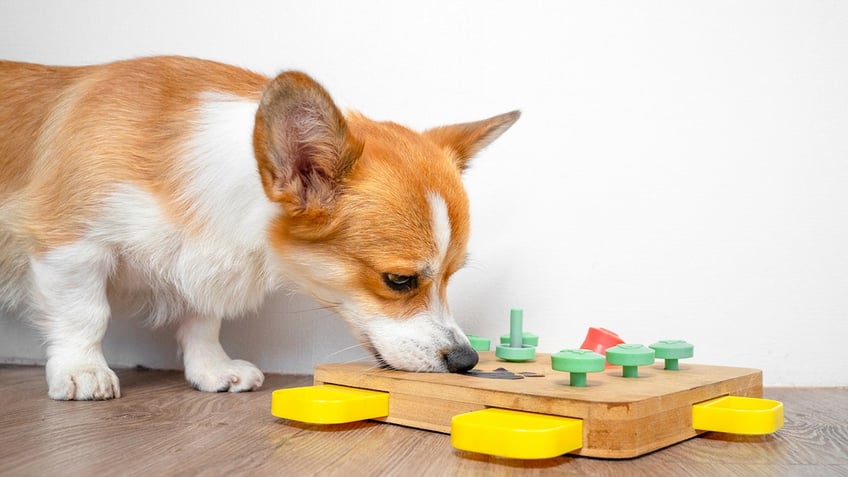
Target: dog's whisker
<point>307,310</point>
<point>319,312</point>
<point>315,315</point>
<point>348,348</point>
<point>362,360</point>
<point>472,264</point>
<point>377,368</point>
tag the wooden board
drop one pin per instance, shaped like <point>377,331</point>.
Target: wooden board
<point>622,417</point>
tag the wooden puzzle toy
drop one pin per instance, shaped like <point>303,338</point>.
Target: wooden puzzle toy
<point>534,410</point>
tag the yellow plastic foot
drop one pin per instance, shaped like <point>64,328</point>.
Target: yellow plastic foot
<point>329,404</point>
<point>516,434</point>
<point>738,415</point>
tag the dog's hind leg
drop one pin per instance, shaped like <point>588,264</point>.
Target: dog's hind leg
<point>69,293</point>
<point>207,366</point>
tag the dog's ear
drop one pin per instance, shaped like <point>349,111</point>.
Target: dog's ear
<point>467,139</point>
<point>302,144</point>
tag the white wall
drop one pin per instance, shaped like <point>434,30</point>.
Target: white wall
<point>680,170</point>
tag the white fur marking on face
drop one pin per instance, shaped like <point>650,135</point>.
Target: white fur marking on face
<point>412,344</point>
<point>441,227</point>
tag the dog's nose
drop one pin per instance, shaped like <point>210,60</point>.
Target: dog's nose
<point>460,359</point>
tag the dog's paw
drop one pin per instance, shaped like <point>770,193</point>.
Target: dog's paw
<point>81,381</point>
<point>232,375</point>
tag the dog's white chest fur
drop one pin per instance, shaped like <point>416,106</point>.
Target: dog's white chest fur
<point>220,265</point>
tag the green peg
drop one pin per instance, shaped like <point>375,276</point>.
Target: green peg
<point>578,362</point>
<point>630,357</point>
<point>516,350</point>
<point>479,343</point>
<point>672,351</point>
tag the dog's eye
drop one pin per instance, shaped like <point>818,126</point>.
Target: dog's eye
<point>400,283</point>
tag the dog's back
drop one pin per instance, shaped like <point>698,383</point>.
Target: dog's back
<point>71,133</point>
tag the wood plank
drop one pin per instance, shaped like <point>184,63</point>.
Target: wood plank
<point>623,417</point>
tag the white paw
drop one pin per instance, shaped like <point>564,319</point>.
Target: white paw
<point>232,375</point>
<point>81,381</point>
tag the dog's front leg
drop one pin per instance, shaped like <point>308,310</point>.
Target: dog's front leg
<point>207,366</point>
<point>69,292</point>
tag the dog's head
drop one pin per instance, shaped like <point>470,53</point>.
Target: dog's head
<point>375,218</point>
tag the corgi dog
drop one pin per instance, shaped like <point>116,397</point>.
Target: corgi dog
<point>192,189</point>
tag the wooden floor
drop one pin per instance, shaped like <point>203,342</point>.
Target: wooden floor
<point>162,427</point>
